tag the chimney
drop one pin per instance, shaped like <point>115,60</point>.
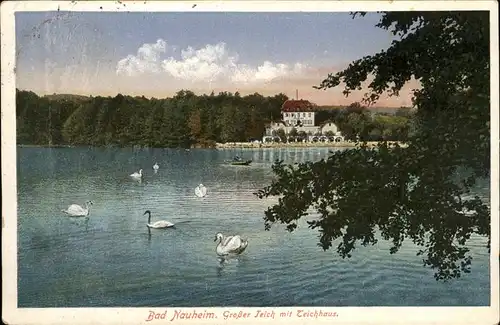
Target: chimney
<point>297,94</point>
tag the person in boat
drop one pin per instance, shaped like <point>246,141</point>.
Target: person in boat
<point>237,158</point>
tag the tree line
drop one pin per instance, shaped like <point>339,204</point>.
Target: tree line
<point>357,122</point>
<point>181,121</point>
<point>184,120</point>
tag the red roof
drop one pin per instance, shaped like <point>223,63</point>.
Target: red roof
<point>302,105</point>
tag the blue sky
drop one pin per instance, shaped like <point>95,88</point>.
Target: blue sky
<point>157,54</point>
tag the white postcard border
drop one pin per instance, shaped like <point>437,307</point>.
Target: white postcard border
<point>366,315</point>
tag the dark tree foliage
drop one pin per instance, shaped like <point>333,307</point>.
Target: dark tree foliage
<point>181,121</point>
<point>39,120</point>
<point>356,107</point>
<point>357,121</point>
<point>418,192</point>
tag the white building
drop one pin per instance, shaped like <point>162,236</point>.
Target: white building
<point>272,128</point>
<point>329,126</point>
<point>300,115</point>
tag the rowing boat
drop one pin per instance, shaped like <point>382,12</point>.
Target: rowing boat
<point>239,163</point>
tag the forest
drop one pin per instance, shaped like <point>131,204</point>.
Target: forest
<point>184,120</point>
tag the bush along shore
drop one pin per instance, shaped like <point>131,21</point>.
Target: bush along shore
<point>342,144</point>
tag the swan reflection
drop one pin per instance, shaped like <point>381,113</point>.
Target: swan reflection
<point>224,263</point>
<point>82,221</point>
<point>149,236</point>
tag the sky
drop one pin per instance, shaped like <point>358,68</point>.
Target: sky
<point>158,54</point>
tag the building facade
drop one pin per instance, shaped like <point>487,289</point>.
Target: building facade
<point>299,115</point>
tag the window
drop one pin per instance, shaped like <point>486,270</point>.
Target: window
<point>309,115</point>
<point>286,114</point>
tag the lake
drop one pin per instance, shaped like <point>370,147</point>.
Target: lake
<point>111,260</point>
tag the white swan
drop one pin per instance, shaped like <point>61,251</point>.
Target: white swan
<point>230,245</point>
<point>75,210</point>
<point>137,175</point>
<point>158,224</point>
<point>156,167</point>
<point>200,191</point>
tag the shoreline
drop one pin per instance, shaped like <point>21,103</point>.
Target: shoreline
<point>343,144</point>
<point>236,145</point>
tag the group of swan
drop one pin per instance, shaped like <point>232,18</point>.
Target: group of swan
<point>226,246</point>
<point>138,175</point>
<point>76,210</point>
<point>230,245</point>
<point>200,190</point>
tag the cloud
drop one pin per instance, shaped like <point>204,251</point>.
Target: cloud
<point>146,60</point>
<point>207,64</point>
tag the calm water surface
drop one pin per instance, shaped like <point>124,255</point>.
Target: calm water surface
<point>110,259</point>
